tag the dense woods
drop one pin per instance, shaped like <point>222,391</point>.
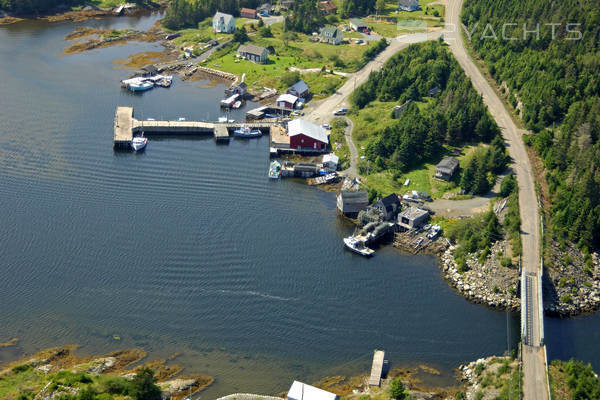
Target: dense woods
<point>33,6</point>
<point>186,14</point>
<point>558,85</point>
<point>454,116</point>
<point>357,8</point>
<point>305,17</point>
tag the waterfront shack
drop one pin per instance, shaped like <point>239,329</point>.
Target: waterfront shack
<point>306,136</point>
<point>351,202</point>
<point>302,391</point>
<point>446,168</point>
<point>287,101</point>
<point>413,218</point>
<point>223,23</point>
<point>148,70</point>
<point>389,206</point>
<point>305,169</point>
<point>240,88</point>
<point>299,89</point>
<point>330,161</point>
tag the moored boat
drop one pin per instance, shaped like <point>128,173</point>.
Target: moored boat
<point>237,104</point>
<point>246,132</point>
<point>140,86</point>
<point>358,247</point>
<point>275,170</point>
<point>139,143</point>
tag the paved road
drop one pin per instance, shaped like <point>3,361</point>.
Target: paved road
<point>535,383</point>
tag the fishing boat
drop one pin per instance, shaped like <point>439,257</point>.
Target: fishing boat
<point>237,104</point>
<point>358,247</point>
<point>246,132</point>
<point>164,82</point>
<point>275,170</point>
<point>140,86</point>
<point>139,143</point>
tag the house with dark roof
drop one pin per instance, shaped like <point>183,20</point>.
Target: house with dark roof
<point>148,70</point>
<point>327,7</point>
<point>390,206</point>
<point>446,168</point>
<point>223,23</point>
<point>241,89</point>
<point>331,35</point>
<point>413,218</point>
<point>299,89</point>
<point>248,13</point>
<point>253,53</point>
<point>408,5</point>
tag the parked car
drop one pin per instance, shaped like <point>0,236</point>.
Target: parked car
<point>341,111</point>
<point>326,126</point>
<point>264,14</point>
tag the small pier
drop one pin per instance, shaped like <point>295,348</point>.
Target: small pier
<point>126,127</point>
<point>377,368</point>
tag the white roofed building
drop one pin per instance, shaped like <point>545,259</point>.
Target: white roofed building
<point>307,136</point>
<point>287,101</point>
<point>302,391</point>
<point>330,161</point>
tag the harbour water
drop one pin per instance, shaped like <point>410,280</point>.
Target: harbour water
<point>189,248</point>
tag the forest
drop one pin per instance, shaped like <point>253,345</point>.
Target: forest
<point>33,6</point>
<point>456,115</point>
<point>553,79</point>
<point>305,17</point>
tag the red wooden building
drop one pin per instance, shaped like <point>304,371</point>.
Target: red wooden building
<point>307,136</point>
<point>248,13</point>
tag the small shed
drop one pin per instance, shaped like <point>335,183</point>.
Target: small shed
<point>446,168</point>
<point>358,25</point>
<point>248,13</point>
<point>330,161</point>
<point>398,110</point>
<point>302,391</point>
<point>351,202</point>
<point>241,89</point>
<point>413,218</point>
<point>287,101</point>
<point>299,89</point>
<point>148,70</point>
<point>327,7</point>
<point>389,206</point>
<point>253,53</point>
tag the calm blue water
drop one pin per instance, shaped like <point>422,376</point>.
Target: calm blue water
<point>189,248</point>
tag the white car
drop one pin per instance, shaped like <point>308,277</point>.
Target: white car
<point>326,126</point>
<point>341,111</point>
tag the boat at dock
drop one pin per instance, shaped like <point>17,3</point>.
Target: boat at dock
<point>228,102</point>
<point>139,143</point>
<point>237,104</point>
<point>320,180</point>
<point>246,132</point>
<point>358,247</point>
<point>275,170</point>
<point>140,86</point>
<point>164,82</point>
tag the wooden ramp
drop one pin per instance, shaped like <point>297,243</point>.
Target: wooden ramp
<point>376,368</point>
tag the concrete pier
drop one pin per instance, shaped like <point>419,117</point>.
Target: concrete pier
<point>377,368</point>
<point>126,127</point>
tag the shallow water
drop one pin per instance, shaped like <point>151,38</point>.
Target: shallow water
<point>189,248</point>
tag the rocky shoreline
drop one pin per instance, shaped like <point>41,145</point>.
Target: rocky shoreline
<point>487,378</point>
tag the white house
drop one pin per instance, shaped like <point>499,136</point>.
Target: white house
<point>302,391</point>
<point>223,23</point>
<point>408,5</point>
<point>330,161</point>
<point>287,101</point>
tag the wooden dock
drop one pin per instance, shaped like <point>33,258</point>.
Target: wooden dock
<point>126,127</point>
<point>377,368</point>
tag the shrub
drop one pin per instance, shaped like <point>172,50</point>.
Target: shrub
<point>479,368</point>
<point>506,262</point>
<point>397,391</point>
<point>21,368</point>
<point>566,298</point>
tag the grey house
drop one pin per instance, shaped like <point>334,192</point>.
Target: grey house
<point>408,5</point>
<point>413,218</point>
<point>389,206</point>
<point>331,35</point>
<point>253,53</point>
<point>446,168</point>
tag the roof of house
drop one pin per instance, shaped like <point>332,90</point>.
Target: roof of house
<point>302,391</point>
<point>327,5</point>
<point>332,30</point>
<point>390,200</point>
<point>300,87</point>
<point>300,126</point>
<point>251,49</point>
<point>248,11</point>
<point>359,23</point>
<point>354,196</point>
<point>288,98</point>
<point>413,213</point>
<point>150,68</point>
<point>448,162</point>
<point>226,17</point>
<point>331,158</point>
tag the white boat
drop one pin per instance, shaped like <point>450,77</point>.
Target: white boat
<point>358,247</point>
<point>275,170</point>
<point>246,132</point>
<point>140,86</point>
<point>237,104</point>
<point>138,143</point>
<point>223,119</point>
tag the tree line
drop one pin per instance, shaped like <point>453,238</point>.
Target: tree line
<point>187,14</point>
<point>455,115</point>
<point>555,82</point>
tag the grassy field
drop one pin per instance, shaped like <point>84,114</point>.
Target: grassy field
<point>300,53</point>
<point>337,140</point>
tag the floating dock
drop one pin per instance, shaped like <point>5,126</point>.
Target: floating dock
<point>377,368</point>
<point>126,127</point>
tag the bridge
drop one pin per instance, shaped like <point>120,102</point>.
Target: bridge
<point>126,127</point>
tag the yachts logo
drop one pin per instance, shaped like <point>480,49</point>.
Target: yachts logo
<point>513,31</point>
